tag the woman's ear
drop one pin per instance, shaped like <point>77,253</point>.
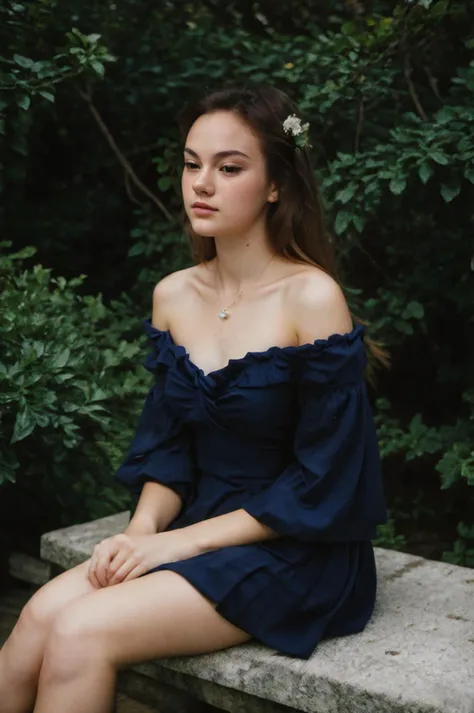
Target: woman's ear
<point>273,195</point>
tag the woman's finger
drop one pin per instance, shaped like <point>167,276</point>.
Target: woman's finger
<point>92,575</point>
<point>137,571</point>
<point>115,567</point>
<point>127,567</point>
<point>103,553</point>
<point>102,567</point>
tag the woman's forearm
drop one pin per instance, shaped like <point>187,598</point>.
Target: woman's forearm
<point>233,528</point>
<point>157,508</point>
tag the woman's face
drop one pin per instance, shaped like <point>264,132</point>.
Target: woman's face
<point>224,168</point>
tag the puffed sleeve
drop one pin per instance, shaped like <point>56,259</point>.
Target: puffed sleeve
<point>332,490</point>
<point>161,449</point>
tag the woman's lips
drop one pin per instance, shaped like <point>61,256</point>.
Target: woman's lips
<point>199,210</point>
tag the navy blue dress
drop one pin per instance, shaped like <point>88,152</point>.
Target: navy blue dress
<point>288,435</point>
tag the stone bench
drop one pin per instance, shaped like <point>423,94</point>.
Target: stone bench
<point>415,656</point>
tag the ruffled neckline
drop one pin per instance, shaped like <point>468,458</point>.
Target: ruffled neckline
<point>167,348</point>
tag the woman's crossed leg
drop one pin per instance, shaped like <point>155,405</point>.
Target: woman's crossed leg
<point>99,631</point>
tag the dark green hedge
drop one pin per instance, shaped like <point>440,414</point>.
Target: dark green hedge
<point>91,161</point>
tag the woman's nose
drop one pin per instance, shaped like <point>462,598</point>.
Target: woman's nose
<point>203,182</point>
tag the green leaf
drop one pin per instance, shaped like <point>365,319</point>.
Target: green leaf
<point>444,115</point>
<point>358,223</point>
<point>98,395</point>
<point>342,221</point>
<point>43,420</point>
<point>24,425</point>
<point>61,359</point>
<point>22,61</point>
<point>404,327</point>
<point>164,183</point>
<point>450,192</point>
<point>417,310</point>
<point>28,251</point>
<point>98,67</point>
<point>439,157</point>
<point>425,172</point>
<point>469,174</point>
<point>347,193</point>
<point>24,102</point>
<point>397,185</point>
<point>439,9</point>
<point>414,309</point>
<point>137,249</point>
<point>46,95</point>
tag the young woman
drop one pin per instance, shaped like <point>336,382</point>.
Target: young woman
<point>255,462</point>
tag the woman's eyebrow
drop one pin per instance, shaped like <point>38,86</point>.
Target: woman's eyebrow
<point>219,154</point>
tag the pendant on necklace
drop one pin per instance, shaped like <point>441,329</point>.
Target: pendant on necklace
<point>223,314</point>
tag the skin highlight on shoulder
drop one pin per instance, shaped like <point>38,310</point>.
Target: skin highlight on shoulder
<point>317,305</point>
<point>168,296</point>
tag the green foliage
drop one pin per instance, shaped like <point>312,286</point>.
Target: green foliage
<point>387,537</point>
<point>393,141</point>
<point>25,80</point>
<point>463,549</point>
<point>68,396</point>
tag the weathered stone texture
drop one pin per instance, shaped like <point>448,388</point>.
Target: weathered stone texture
<point>415,656</point>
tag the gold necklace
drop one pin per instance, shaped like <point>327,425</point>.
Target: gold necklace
<point>223,314</point>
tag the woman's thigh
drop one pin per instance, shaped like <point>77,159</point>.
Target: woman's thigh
<point>160,614</point>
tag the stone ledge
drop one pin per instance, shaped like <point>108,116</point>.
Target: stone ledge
<point>415,656</point>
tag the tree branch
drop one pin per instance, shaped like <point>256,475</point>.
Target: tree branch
<point>433,84</point>
<point>412,88</point>
<point>86,95</point>
<point>128,188</point>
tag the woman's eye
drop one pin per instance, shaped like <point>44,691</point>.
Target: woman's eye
<point>231,169</point>
<point>191,166</point>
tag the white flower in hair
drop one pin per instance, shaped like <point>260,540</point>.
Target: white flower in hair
<point>292,125</point>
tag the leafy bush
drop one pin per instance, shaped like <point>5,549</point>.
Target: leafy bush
<point>69,395</point>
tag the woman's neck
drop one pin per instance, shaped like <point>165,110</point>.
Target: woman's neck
<point>238,263</point>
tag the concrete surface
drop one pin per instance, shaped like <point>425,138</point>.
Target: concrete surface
<point>415,656</point>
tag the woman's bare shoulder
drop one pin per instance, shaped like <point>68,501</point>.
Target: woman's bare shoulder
<point>317,305</point>
<point>170,294</point>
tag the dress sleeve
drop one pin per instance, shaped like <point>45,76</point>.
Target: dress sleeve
<point>161,449</point>
<point>332,490</point>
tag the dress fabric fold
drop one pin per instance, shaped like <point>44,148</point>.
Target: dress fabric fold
<point>286,434</point>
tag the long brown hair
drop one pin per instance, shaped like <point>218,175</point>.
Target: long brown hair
<point>295,223</point>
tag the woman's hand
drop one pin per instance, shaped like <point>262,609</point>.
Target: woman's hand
<point>124,557</point>
<point>102,555</point>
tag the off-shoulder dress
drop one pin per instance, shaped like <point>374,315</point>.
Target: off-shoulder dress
<point>288,435</point>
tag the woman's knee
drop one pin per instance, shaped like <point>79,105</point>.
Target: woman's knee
<point>71,645</point>
<point>47,602</point>
<point>37,614</point>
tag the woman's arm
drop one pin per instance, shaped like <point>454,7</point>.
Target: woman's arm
<point>157,507</point>
<point>233,528</point>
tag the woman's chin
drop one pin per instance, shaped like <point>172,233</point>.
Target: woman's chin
<point>203,229</point>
